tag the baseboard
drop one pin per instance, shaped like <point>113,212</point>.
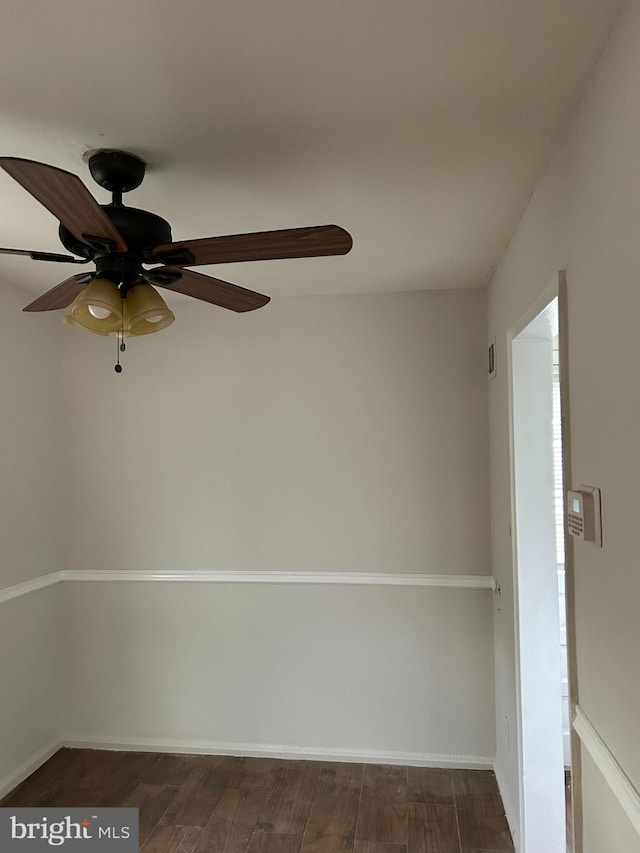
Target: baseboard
<point>253,750</point>
<point>13,779</point>
<point>510,813</point>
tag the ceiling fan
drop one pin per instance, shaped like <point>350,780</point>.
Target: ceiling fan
<point>133,249</point>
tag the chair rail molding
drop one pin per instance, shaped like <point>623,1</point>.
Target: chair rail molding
<point>623,788</point>
<point>351,578</point>
<point>443,581</point>
<point>18,589</point>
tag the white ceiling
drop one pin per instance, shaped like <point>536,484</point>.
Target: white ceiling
<point>418,125</point>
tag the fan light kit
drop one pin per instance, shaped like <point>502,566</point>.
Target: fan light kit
<point>133,251</point>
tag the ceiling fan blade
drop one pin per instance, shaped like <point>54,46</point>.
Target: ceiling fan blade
<point>207,288</point>
<point>44,256</point>
<point>260,246</point>
<point>64,195</point>
<point>61,295</point>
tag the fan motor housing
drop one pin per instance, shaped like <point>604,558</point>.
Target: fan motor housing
<point>141,230</point>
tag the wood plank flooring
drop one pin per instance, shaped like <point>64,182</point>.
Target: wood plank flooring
<point>223,804</point>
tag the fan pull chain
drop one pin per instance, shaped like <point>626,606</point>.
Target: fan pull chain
<point>121,348</point>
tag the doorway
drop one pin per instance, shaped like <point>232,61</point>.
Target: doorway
<point>539,560</point>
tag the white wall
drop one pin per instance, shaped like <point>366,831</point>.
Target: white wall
<point>248,667</point>
<point>31,464</point>
<point>31,675</point>
<point>585,217</point>
<point>608,827</point>
<point>31,494</point>
<point>322,433</point>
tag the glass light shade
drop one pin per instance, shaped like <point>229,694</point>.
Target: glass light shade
<point>146,311</point>
<point>98,297</point>
<point>68,319</point>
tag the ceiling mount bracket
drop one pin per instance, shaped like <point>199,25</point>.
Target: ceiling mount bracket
<point>117,171</point>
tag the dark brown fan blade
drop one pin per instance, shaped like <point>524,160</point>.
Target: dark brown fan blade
<point>260,246</point>
<point>207,288</point>
<point>44,256</point>
<point>61,295</point>
<point>64,195</point>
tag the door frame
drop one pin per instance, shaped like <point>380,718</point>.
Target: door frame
<point>557,289</point>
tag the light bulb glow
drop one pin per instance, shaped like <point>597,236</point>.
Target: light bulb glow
<point>155,319</point>
<point>99,312</point>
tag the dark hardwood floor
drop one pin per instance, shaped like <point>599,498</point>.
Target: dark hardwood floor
<point>222,804</point>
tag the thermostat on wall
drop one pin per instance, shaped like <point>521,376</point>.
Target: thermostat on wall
<point>583,514</point>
